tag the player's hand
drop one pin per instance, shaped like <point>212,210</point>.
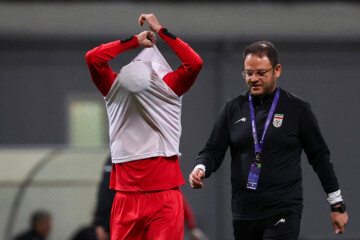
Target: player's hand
<point>339,220</point>
<point>151,20</point>
<point>146,39</point>
<point>195,178</point>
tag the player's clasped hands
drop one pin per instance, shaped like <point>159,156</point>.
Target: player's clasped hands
<point>147,39</point>
<point>151,20</point>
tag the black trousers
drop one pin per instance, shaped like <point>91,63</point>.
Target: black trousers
<point>281,227</point>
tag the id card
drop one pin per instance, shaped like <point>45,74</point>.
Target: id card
<point>253,176</point>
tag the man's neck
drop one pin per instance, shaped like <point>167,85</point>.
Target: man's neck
<point>260,99</point>
<point>262,96</point>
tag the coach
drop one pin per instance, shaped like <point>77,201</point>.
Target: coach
<point>266,129</point>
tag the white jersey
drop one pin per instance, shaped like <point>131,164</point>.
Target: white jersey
<point>144,113</point>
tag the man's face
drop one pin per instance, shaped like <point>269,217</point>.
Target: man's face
<point>43,226</point>
<point>261,82</point>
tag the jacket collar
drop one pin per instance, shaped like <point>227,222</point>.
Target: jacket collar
<point>267,98</point>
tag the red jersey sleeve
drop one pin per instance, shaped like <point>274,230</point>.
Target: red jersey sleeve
<point>97,60</point>
<point>181,80</point>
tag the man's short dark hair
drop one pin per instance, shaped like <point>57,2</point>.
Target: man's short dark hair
<point>38,216</point>
<point>262,48</point>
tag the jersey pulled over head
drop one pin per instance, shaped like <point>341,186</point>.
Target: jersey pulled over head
<point>136,76</point>
<point>144,113</point>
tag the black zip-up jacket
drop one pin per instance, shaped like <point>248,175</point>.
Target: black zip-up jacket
<point>279,188</point>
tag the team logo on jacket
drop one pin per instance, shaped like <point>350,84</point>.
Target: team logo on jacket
<point>278,119</point>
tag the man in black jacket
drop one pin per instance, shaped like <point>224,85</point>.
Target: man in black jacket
<point>266,129</point>
<point>105,198</point>
<point>40,227</point>
<point>100,227</point>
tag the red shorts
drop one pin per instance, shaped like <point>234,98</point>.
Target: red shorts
<point>147,215</point>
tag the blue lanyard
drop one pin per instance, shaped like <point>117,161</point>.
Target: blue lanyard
<point>258,145</point>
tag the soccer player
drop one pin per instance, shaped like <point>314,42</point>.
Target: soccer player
<point>143,103</point>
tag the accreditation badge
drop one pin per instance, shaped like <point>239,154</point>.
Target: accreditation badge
<point>253,177</point>
<point>278,119</point>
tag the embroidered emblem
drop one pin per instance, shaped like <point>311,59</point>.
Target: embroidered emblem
<point>153,76</point>
<point>278,119</point>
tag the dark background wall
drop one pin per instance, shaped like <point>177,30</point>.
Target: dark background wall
<point>38,74</point>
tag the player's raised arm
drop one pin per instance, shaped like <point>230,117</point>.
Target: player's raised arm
<point>180,80</point>
<point>97,59</point>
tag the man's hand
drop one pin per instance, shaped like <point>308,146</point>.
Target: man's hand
<point>152,21</point>
<point>101,234</point>
<point>339,220</point>
<point>197,234</point>
<point>146,39</point>
<point>195,178</point>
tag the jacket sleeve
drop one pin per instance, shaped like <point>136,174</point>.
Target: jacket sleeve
<point>213,154</point>
<point>97,61</point>
<point>181,80</point>
<point>317,150</point>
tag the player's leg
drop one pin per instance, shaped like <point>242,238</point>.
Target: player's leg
<point>283,228</point>
<point>127,220</point>
<point>167,221</point>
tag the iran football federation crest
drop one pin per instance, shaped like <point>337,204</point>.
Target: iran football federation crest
<point>278,119</point>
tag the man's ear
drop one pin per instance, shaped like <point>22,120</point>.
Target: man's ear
<point>278,69</point>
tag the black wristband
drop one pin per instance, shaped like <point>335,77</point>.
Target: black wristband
<point>341,208</point>
<point>127,39</point>
<point>167,33</point>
